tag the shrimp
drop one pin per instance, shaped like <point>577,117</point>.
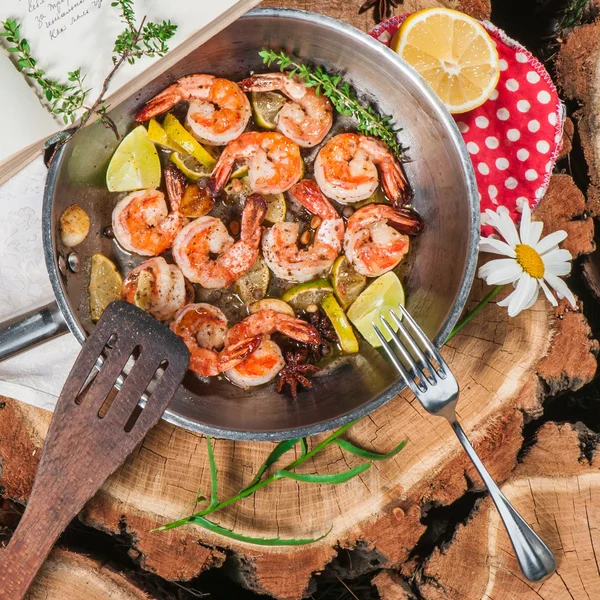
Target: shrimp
<point>347,166</point>
<point>307,118</point>
<point>158,288</point>
<point>373,242</point>
<point>207,235</point>
<point>279,245</point>
<point>218,113</point>
<point>266,362</point>
<point>203,328</point>
<point>142,222</point>
<point>274,162</point>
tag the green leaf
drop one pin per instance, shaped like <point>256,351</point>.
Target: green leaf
<point>349,447</point>
<point>333,478</point>
<point>273,457</point>
<point>304,444</point>
<point>214,483</point>
<point>203,522</point>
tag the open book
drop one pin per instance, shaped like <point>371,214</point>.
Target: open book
<point>65,35</point>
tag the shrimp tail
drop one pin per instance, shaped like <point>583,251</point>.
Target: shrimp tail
<point>260,83</point>
<point>220,174</point>
<point>233,355</point>
<point>309,195</point>
<point>396,185</point>
<point>406,220</point>
<point>254,214</point>
<point>176,184</point>
<point>160,104</point>
<point>299,330</point>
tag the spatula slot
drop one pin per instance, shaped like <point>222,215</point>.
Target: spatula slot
<point>85,387</point>
<point>120,381</point>
<point>146,396</point>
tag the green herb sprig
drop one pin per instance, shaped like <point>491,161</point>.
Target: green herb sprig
<point>260,481</point>
<point>343,98</point>
<point>63,99</point>
<point>67,100</point>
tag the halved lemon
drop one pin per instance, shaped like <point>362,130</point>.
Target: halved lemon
<point>453,53</point>
<point>266,107</point>
<point>375,302</point>
<point>135,164</point>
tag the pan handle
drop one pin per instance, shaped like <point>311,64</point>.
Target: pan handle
<point>30,329</point>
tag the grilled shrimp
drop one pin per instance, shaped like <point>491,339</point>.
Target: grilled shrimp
<point>207,235</point>
<point>347,166</point>
<point>218,113</point>
<point>274,162</point>
<point>142,222</point>
<point>279,245</point>
<point>264,364</point>
<point>307,118</point>
<point>157,287</point>
<point>373,242</point>
<point>203,328</point>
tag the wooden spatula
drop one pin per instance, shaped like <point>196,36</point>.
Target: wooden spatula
<point>93,430</point>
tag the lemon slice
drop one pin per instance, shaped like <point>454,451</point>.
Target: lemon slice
<point>253,284</point>
<point>310,292</point>
<point>272,304</point>
<point>347,283</point>
<point>341,325</point>
<point>196,201</point>
<point>160,137</point>
<point>106,285</point>
<point>179,134</point>
<point>189,166</point>
<point>453,53</point>
<point>266,107</point>
<point>276,208</point>
<point>385,293</point>
<point>135,164</point>
<point>240,172</point>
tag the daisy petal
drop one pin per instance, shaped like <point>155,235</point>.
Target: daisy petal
<point>557,256</point>
<point>561,288</point>
<point>550,240</point>
<point>534,296</point>
<point>560,269</point>
<point>503,224</point>
<point>500,271</point>
<point>535,232</point>
<point>496,247</point>
<point>549,294</point>
<point>525,224</point>
<point>522,295</point>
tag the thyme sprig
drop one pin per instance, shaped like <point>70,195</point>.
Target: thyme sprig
<point>343,98</point>
<point>68,100</point>
<point>260,480</point>
<point>64,99</point>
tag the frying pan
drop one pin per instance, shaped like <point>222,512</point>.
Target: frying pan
<point>438,275</point>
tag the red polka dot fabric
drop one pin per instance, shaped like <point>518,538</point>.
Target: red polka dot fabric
<point>514,138</point>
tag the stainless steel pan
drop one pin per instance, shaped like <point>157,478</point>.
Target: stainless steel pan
<point>442,261</point>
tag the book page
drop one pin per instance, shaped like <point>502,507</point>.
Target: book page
<point>65,35</point>
<point>25,120</point>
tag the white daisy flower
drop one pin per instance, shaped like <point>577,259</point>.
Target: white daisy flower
<point>532,263</point>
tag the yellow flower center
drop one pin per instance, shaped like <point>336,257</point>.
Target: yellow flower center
<point>530,260</point>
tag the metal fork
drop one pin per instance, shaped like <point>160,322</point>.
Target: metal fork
<point>426,373</point>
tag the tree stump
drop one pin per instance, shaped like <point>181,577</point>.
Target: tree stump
<point>506,368</point>
<point>557,489</point>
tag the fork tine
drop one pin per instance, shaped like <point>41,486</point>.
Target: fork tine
<point>408,380</point>
<point>413,369</point>
<point>429,348</point>
<point>424,362</point>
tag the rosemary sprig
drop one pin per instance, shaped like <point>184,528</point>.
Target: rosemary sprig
<point>343,98</point>
<point>67,100</point>
<point>260,481</point>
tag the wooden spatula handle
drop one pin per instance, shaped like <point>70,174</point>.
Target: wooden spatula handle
<point>40,527</point>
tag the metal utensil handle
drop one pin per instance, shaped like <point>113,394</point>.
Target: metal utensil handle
<point>535,558</point>
<point>30,329</point>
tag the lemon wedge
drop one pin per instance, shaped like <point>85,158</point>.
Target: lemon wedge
<point>453,53</point>
<point>310,292</point>
<point>105,286</point>
<point>266,107</point>
<point>341,325</point>
<point>135,164</point>
<point>181,136</point>
<point>375,302</point>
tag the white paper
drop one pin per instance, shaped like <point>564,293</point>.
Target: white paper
<point>24,121</point>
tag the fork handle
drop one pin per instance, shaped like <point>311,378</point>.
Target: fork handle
<point>535,558</point>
